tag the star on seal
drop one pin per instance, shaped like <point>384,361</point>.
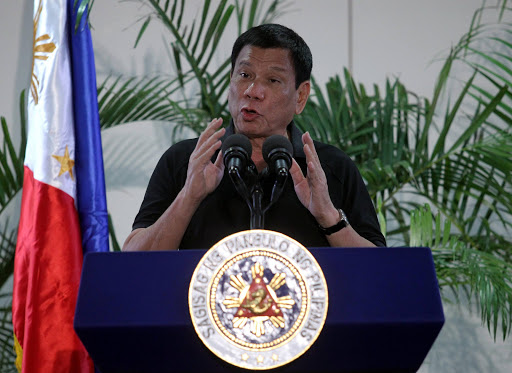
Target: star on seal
<point>258,301</point>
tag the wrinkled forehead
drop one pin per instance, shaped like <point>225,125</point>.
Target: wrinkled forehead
<point>274,59</point>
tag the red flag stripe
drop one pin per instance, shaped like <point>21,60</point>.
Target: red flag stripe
<point>48,263</point>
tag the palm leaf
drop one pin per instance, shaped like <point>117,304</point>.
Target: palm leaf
<point>11,161</point>
<point>483,276</point>
<point>7,249</point>
<point>460,163</point>
<point>7,355</point>
<point>194,46</point>
<point>122,101</point>
<point>112,233</point>
<point>84,8</point>
<point>11,182</point>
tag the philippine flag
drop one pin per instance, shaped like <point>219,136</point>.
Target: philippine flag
<point>63,188</point>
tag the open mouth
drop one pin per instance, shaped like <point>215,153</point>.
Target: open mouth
<point>249,114</point>
<point>249,111</point>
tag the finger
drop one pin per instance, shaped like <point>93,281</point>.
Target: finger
<point>219,162</point>
<point>296,173</point>
<point>301,184</point>
<point>213,126</point>
<point>306,138</point>
<point>211,129</point>
<point>212,139</point>
<point>207,145</point>
<point>205,152</point>
<point>309,148</point>
<point>316,173</point>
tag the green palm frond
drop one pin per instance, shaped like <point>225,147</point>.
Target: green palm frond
<point>84,10</point>
<point>128,100</point>
<point>7,249</point>
<point>11,161</point>
<point>479,274</point>
<point>194,46</point>
<point>456,156</point>
<point>398,144</point>
<point>11,183</point>
<point>112,234</point>
<point>259,12</point>
<point>7,354</point>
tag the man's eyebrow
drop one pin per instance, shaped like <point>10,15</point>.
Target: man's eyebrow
<point>249,64</point>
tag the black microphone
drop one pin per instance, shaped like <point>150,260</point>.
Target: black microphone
<point>277,152</point>
<point>236,151</point>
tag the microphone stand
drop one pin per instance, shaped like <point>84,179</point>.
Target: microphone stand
<point>254,198</point>
<point>257,214</point>
<point>278,188</point>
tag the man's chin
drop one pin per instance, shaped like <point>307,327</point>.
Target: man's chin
<point>246,127</point>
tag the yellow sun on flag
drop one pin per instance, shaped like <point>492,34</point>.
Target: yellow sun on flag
<point>66,163</point>
<point>41,50</point>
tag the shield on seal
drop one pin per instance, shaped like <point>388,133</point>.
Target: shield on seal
<point>258,299</point>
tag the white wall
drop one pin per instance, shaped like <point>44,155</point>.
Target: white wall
<point>15,55</point>
<point>391,38</point>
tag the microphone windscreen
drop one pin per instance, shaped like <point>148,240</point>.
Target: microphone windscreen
<point>237,140</point>
<point>276,142</point>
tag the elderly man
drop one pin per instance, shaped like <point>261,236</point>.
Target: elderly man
<point>191,203</point>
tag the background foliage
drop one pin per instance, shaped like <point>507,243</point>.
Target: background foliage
<point>438,168</point>
<point>452,152</point>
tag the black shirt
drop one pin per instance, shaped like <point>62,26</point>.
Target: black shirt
<point>225,212</point>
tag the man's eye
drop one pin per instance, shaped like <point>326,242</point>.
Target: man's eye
<point>244,75</point>
<point>274,81</point>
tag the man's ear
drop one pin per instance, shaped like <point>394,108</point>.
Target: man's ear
<point>302,96</point>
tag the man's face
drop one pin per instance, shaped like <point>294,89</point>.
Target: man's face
<point>262,94</point>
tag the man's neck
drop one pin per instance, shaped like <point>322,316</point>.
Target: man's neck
<point>257,155</point>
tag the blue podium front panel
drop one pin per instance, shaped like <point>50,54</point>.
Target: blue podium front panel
<point>384,314</point>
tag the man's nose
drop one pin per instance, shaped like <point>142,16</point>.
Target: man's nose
<point>255,91</point>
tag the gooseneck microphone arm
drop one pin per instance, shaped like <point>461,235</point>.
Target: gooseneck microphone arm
<point>239,184</point>
<point>252,199</point>
<point>277,189</point>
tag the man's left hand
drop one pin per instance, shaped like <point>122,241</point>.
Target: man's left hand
<point>312,190</point>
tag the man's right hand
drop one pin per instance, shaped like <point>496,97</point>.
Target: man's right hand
<point>203,176</point>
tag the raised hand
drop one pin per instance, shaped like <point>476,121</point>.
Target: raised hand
<point>203,176</point>
<point>312,189</point>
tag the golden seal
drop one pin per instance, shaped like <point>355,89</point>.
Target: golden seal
<point>258,299</point>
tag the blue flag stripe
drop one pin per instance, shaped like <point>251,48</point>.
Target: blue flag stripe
<point>91,196</point>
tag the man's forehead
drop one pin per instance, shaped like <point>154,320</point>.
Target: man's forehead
<point>277,58</point>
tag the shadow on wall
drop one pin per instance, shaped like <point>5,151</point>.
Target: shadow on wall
<point>463,346</point>
<point>131,151</point>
